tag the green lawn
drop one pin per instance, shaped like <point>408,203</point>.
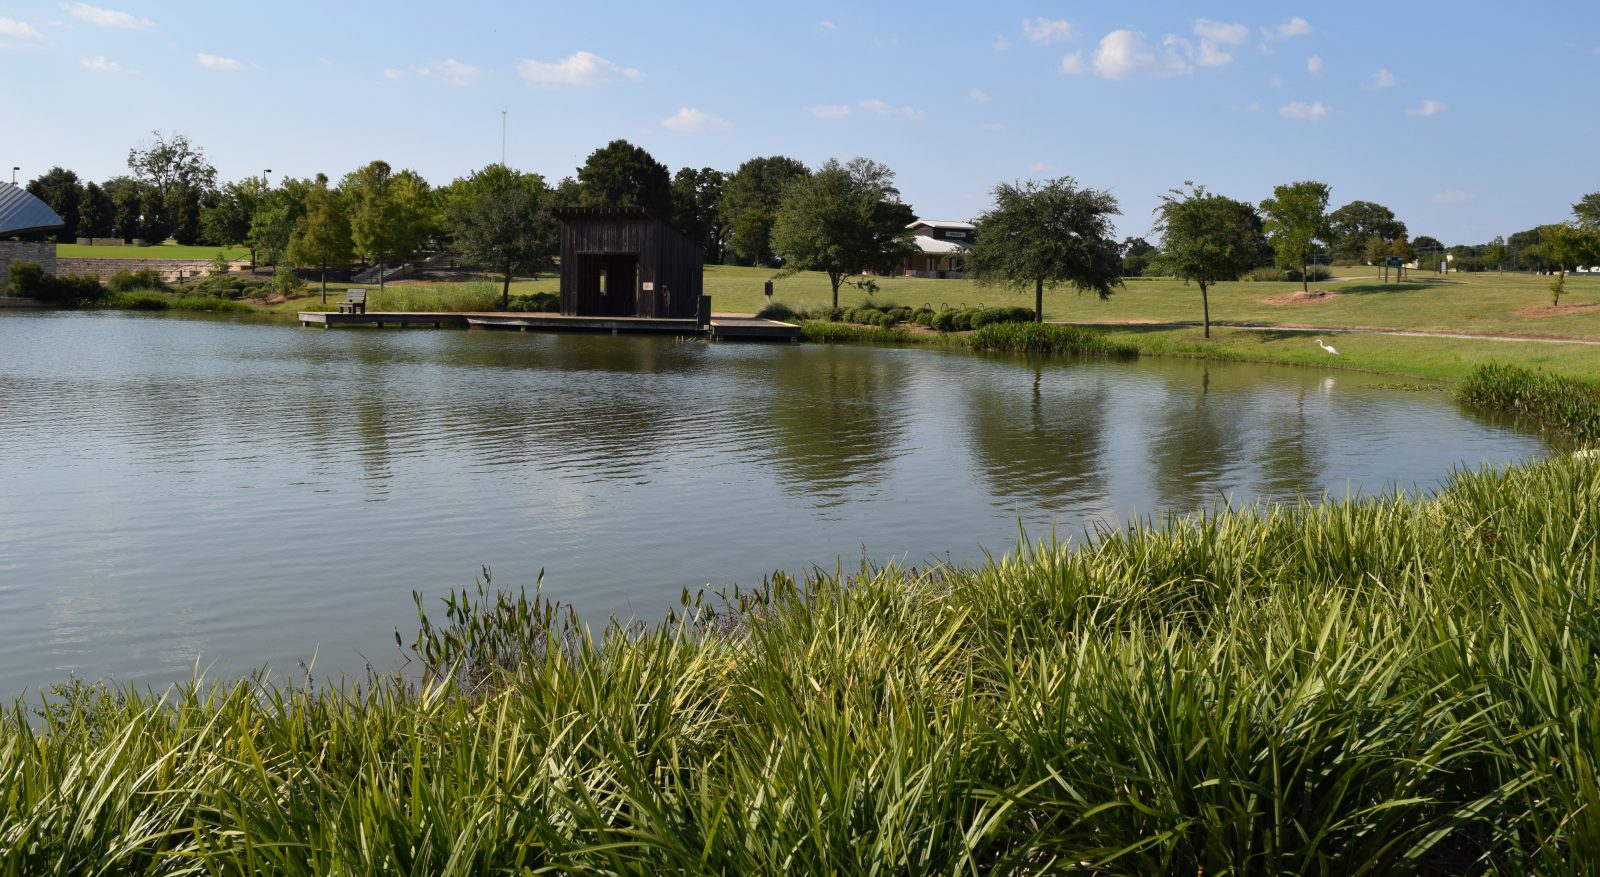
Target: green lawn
<point>1482,303</point>
<point>167,250</point>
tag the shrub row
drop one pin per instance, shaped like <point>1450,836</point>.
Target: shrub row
<point>538,302</point>
<point>967,319</point>
<point>29,280</point>
<point>1049,339</point>
<point>150,300</point>
<point>1269,273</point>
<point>1570,408</point>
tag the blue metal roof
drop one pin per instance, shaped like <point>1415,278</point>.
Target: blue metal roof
<point>21,212</point>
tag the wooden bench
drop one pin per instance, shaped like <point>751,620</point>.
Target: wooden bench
<point>355,302</point>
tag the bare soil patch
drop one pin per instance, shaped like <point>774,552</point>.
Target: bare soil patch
<point>1556,310</point>
<point>1301,297</point>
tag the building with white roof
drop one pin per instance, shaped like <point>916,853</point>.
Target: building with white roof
<point>942,248</point>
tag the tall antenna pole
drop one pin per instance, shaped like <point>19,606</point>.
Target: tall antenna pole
<point>502,137</point>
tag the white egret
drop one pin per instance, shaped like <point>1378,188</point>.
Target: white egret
<point>1326,347</point>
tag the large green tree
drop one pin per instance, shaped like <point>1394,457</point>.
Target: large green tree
<point>60,188</point>
<point>1296,218</point>
<point>276,218</point>
<point>227,221</point>
<point>323,237</point>
<point>1352,227</point>
<point>696,197</point>
<point>620,174</point>
<point>750,202</point>
<point>843,220</point>
<point>1207,239</point>
<point>500,219</point>
<point>180,177</point>
<point>1045,235</point>
<point>94,212</point>
<point>125,195</point>
<point>1588,210</point>
<point>391,214</point>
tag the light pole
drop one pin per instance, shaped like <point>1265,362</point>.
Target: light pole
<point>14,170</point>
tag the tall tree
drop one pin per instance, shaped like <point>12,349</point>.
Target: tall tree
<point>276,218</point>
<point>503,222</point>
<point>843,220</point>
<point>1207,239</point>
<point>1045,235</point>
<point>94,213</point>
<point>155,221</point>
<point>1588,210</point>
<point>620,174</point>
<point>227,222</point>
<point>750,202</point>
<point>696,197</point>
<point>1352,226</point>
<point>323,237</point>
<point>392,214</point>
<point>60,188</point>
<point>180,176</point>
<point>126,196</point>
<point>1296,218</point>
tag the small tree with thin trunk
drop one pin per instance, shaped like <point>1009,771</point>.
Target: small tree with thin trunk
<point>1047,234</point>
<point>1207,239</point>
<point>1567,244</point>
<point>323,236</point>
<point>504,224</point>
<point>843,220</point>
<point>1296,217</point>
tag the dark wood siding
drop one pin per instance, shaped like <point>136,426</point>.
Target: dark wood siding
<point>614,240</point>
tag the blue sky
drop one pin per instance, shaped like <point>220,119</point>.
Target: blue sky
<point>1468,119</point>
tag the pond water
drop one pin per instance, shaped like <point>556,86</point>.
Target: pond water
<point>231,493</point>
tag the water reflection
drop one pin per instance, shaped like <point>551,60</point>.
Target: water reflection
<point>244,492</point>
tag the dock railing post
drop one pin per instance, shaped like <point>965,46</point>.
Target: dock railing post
<point>704,314</point>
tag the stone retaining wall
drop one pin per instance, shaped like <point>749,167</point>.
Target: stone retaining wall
<point>11,251</point>
<point>169,268</point>
<point>109,242</point>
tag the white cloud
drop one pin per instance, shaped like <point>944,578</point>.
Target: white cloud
<point>12,29</point>
<point>1294,27</point>
<point>692,121</point>
<point>579,68</point>
<point>1001,43</point>
<point>1221,32</point>
<point>978,95</point>
<point>1277,81</point>
<point>874,105</point>
<point>1453,196</point>
<point>101,64</point>
<point>991,126</point>
<point>1381,80</point>
<point>451,71</point>
<point>1304,112</point>
<point>1209,54</point>
<point>1429,107</point>
<point>1123,52</point>
<point>1314,65</point>
<point>827,25</point>
<point>217,62</point>
<point>1073,64</point>
<point>836,111</point>
<point>1044,31</point>
<point>106,17</point>
<point>393,75</point>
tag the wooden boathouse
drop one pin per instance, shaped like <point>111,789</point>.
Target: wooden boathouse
<point>624,262</point>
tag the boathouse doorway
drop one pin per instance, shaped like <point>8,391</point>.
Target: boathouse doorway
<point>608,286</point>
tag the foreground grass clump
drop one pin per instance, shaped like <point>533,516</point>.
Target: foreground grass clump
<point>1047,338</point>
<point>1381,686</point>
<point>1569,407</point>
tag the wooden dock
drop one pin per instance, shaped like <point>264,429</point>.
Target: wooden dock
<point>722,326</point>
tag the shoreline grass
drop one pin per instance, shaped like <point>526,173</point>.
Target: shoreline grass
<point>1383,685</point>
